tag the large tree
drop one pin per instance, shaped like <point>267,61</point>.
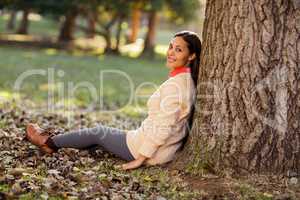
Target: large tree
<point>11,22</point>
<point>248,96</point>
<point>66,32</point>
<point>24,24</point>
<point>135,22</point>
<point>19,5</point>
<point>149,43</point>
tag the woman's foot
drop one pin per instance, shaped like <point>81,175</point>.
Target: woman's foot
<point>35,135</point>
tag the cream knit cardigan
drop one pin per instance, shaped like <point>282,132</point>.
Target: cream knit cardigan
<point>161,133</point>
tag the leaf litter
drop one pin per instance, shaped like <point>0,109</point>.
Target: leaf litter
<point>27,173</point>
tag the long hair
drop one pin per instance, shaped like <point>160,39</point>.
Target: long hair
<point>194,46</point>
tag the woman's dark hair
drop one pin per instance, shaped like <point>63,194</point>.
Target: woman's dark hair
<point>194,46</point>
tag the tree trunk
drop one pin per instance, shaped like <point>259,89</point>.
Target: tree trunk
<point>149,43</point>
<point>119,34</point>
<point>107,37</point>
<point>135,24</point>
<point>23,28</point>
<point>11,21</point>
<point>68,26</point>
<point>248,101</point>
<point>91,18</point>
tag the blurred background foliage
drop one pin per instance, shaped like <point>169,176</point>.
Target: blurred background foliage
<point>83,37</point>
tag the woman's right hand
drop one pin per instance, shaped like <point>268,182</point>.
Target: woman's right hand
<point>135,163</point>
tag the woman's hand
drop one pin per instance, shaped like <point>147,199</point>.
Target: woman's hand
<point>135,163</point>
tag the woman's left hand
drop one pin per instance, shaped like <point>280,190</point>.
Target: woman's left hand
<point>135,163</point>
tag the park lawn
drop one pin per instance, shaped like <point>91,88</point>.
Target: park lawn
<point>79,71</point>
<point>79,79</point>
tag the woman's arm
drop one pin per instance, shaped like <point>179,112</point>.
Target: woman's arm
<point>135,163</point>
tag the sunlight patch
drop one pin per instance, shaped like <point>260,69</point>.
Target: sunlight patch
<point>132,111</point>
<point>51,51</point>
<point>34,17</point>
<point>161,49</point>
<point>52,87</point>
<point>133,49</point>
<point>6,96</point>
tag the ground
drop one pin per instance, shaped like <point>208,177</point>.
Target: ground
<point>27,173</point>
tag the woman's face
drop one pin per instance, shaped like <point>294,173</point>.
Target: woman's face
<point>178,54</point>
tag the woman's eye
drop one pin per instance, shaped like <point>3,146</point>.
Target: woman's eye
<point>178,50</point>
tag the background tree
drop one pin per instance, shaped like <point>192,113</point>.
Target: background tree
<point>65,10</point>
<point>25,7</point>
<point>178,11</point>
<point>7,5</point>
<point>152,8</point>
<point>181,11</point>
<point>23,27</point>
<point>11,23</point>
<point>247,109</point>
<point>110,15</point>
<point>91,24</point>
<point>135,21</point>
<point>104,17</point>
<point>66,32</point>
<point>54,8</point>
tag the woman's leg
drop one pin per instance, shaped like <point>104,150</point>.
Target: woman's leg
<point>111,139</point>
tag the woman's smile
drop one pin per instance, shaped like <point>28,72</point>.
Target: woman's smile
<point>171,59</point>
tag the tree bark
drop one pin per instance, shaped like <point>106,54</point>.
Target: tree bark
<point>149,43</point>
<point>107,37</point>
<point>68,26</point>
<point>119,34</point>
<point>11,21</point>
<point>135,24</point>
<point>91,18</point>
<point>248,96</point>
<point>23,28</point>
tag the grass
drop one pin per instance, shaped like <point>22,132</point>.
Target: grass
<point>77,79</point>
<point>4,188</point>
<point>248,192</point>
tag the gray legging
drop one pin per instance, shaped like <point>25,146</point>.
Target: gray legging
<point>111,139</point>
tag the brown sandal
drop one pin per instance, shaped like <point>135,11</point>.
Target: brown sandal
<point>38,137</point>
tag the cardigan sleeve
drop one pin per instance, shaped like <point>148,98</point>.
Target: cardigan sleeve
<point>160,127</point>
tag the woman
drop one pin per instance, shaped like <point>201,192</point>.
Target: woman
<point>162,133</point>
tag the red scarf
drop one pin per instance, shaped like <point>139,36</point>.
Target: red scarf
<point>179,70</point>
